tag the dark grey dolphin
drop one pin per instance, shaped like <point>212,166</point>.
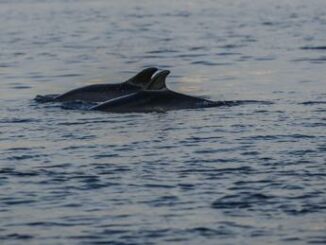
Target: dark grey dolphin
<point>156,97</point>
<point>104,92</point>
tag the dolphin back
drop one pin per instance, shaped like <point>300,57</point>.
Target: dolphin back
<point>128,103</point>
<point>153,101</point>
<point>104,92</point>
<point>97,92</point>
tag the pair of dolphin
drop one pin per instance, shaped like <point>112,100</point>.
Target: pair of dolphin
<point>141,93</point>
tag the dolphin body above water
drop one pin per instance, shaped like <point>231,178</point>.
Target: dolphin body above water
<point>104,92</point>
<point>156,97</point>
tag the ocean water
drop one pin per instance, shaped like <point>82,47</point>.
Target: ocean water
<point>247,174</point>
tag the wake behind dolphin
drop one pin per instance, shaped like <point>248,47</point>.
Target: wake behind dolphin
<point>103,92</point>
<point>156,97</point>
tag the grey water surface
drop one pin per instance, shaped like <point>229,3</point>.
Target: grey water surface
<point>246,174</point>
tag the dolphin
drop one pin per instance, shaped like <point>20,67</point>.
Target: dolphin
<point>104,92</point>
<point>156,97</point>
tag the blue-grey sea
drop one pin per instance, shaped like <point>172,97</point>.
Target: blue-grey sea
<point>249,174</point>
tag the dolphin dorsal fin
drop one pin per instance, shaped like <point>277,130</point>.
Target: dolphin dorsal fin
<point>143,78</point>
<point>158,81</point>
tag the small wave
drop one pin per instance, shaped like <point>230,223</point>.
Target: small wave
<point>231,46</point>
<point>21,87</point>
<point>190,55</point>
<point>19,120</point>
<point>21,148</point>
<point>16,236</point>
<point>317,240</point>
<point>163,201</point>
<point>48,223</point>
<point>267,58</point>
<point>228,53</point>
<point>242,170</point>
<point>16,201</point>
<point>209,63</point>
<point>100,156</point>
<point>45,98</point>
<point>67,75</point>
<point>313,48</point>
<point>5,65</point>
<point>159,186</point>
<point>246,200</point>
<point>24,157</point>
<point>12,172</point>
<point>268,23</point>
<point>162,51</point>
<point>207,232</point>
<point>319,60</point>
<point>197,48</point>
<point>278,136</point>
<point>312,102</point>
<point>235,224</point>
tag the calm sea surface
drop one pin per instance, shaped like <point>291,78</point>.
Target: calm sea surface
<point>247,174</point>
